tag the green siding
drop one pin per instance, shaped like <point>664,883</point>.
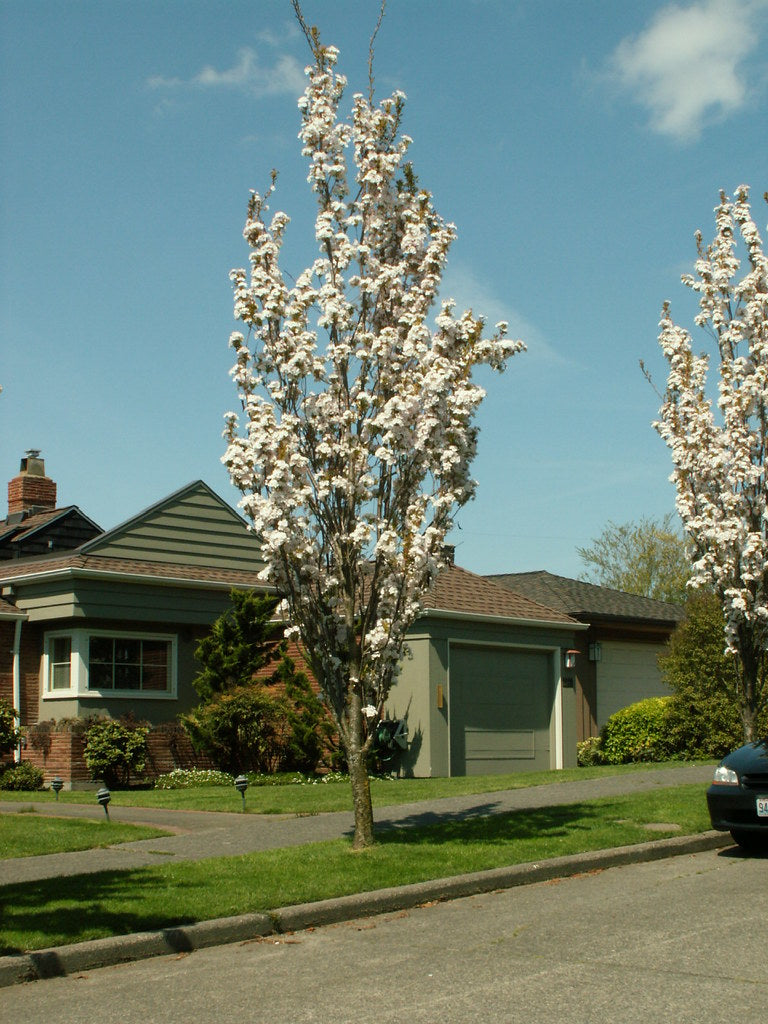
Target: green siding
<point>128,601</point>
<point>192,527</point>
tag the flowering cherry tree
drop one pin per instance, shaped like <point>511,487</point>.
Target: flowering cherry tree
<point>720,455</point>
<point>356,435</point>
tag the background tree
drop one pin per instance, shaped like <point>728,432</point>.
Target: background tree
<point>648,557</point>
<point>719,457</point>
<point>358,430</point>
<point>703,718</point>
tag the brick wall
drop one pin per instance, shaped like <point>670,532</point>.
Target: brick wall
<point>62,754</point>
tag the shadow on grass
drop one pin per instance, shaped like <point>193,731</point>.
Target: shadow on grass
<point>484,825</point>
<point>74,909</point>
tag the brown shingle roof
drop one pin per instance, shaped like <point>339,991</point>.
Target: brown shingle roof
<point>588,601</point>
<point>27,567</point>
<point>457,590</point>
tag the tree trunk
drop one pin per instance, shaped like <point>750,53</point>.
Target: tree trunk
<point>361,800</point>
<point>749,687</point>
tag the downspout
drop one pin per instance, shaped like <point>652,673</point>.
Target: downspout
<point>17,680</point>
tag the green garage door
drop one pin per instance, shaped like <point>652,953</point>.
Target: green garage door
<point>500,710</point>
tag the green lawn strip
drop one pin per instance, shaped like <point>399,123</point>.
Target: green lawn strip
<point>61,911</point>
<point>332,796</point>
<point>30,835</point>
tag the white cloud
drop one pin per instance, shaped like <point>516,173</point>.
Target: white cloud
<point>688,66</point>
<point>469,292</point>
<point>248,74</point>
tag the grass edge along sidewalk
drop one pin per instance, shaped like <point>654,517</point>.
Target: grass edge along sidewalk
<point>588,830</point>
<point>84,956</point>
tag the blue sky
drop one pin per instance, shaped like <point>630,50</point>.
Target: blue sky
<point>577,146</point>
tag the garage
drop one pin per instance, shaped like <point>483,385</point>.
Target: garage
<point>501,702</point>
<point>628,672</point>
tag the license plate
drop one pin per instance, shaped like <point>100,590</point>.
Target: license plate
<point>762,807</point>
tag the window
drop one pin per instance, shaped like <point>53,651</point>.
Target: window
<point>128,663</point>
<point>60,663</point>
<point>83,662</point>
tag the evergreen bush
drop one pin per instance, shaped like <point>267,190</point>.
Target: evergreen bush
<point>244,729</point>
<point>638,732</point>
<point>9,734</point>
<point>22,776</point>
<point>704,719</point>
<point>115,750</point>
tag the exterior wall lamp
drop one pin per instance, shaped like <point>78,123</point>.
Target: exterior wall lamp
<point>595,652</point>
<point>570,659</point>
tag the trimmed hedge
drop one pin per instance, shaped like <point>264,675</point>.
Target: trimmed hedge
<point>639,732</point>
<point>22,776</point>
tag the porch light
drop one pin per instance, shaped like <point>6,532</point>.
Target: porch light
<point>570,659</point>
<point>241,784</point>
<point>57,784</point>
<point>104,796</point>
<point>595,652</point>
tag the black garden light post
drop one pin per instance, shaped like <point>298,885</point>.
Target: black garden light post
<point>241,784</point>
<point>104,796</point>
<point>57,784</point>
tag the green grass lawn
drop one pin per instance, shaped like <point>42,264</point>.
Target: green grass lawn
<point>30,835</point>
<point>332,796</point>
<point>61,911</point>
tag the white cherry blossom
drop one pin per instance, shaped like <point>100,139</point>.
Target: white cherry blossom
<point>719,442</point>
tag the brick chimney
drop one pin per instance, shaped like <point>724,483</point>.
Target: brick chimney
<point>31,491</point>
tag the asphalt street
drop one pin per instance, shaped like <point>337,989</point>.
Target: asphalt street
<point>673,940</point>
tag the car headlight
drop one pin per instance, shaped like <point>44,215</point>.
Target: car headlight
<point>725,776</point>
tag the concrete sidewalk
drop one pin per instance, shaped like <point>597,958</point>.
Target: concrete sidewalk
<point>198,835</point>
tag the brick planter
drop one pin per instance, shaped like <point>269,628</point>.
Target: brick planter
<point>62,754</point>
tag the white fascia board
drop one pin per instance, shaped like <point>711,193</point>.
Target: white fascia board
<point>440,613</point>
<point>129,577</point>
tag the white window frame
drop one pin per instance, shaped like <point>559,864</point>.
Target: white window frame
<point>78,675</point>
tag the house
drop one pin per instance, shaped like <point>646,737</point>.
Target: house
<point>617,659</point>
<point>104,623</point>
<point>109,625</point>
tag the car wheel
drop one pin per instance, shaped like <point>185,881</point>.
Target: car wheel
<point>750,842</point>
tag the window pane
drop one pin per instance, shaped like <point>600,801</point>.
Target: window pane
<point>101,650</point>
<point>99,676</point>
<point>60,663</point>
<point>127,677</point>
<point>155,668</point>
<point>127,651</point>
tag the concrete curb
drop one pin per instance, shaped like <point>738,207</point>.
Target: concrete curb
<point>85,956</point>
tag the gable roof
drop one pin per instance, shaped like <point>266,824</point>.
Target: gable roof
<point>457,591</point>
<point>20,529</point>
<point>588,601</point>
<point>192,526</point>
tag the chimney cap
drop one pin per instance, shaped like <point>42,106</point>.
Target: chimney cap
<point>32,453</point>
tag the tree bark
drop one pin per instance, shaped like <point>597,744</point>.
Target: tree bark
<point>361,800</point>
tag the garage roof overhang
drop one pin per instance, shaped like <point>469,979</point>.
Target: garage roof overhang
<point>566,624</point>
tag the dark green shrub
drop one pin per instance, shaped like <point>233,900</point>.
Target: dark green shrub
<point>310,730</point>
<point>244,729</point>
<point>704,719</point>
<point>9,734</point>
<point>114,750</point>
<point>637,733</point>
<point>22,776</point>
<point>589,752</point>
<point>241,642</point>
